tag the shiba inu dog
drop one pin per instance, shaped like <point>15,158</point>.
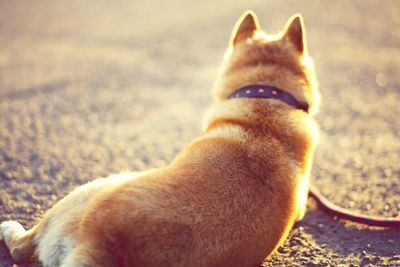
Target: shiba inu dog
<point>228,199</point>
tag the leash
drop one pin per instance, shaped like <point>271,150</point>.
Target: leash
<point>267,91</point>
<point>342,213</point>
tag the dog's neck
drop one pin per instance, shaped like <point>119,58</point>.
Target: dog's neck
<point>267,91</point>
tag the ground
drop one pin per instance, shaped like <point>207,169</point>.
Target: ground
<point>89,88</point>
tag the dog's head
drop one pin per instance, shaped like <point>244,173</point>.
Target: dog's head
<point>254,57</point>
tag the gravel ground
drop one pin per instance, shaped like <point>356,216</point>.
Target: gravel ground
<point>89,88</point>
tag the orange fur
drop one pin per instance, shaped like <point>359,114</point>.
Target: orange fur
<point>228,199</point>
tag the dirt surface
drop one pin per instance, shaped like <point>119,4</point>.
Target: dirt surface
<point>90,88</point>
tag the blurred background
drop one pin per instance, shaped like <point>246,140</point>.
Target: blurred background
<point>89,88</point>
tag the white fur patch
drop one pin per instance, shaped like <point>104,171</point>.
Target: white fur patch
<point>54,244</point>
<point>9,229</point>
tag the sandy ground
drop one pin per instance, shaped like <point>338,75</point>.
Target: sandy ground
<point>89,88</point>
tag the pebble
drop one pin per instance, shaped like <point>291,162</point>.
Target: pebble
<point>381,79</point>
<point>283,250</point>
<point>298,241</point>
<point>9,175</point>
<point>364,253</point>
<point>308,254</point>
<point>388,173</point>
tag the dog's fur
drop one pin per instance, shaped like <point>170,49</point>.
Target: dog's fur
<point>228,199</point>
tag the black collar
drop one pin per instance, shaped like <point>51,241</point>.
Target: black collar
<point>267,91</point>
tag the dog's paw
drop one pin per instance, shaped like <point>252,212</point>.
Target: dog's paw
<point>9,228</point>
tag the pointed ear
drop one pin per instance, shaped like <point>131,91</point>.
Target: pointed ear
<point>295,32</point>
<point>245,27</point>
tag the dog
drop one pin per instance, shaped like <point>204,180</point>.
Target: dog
<point>228,199</point>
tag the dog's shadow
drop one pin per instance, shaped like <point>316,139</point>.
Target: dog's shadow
<point>319,235</point>
<point>348,238</point>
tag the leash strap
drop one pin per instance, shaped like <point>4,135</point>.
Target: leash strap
<point>336,211</point>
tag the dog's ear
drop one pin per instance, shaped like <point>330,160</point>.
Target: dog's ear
<point>295,32</point>
<point>245,27</point>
